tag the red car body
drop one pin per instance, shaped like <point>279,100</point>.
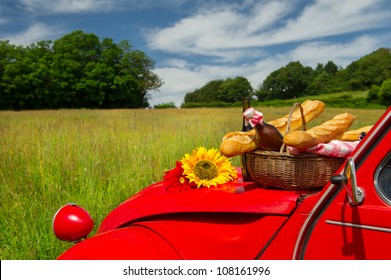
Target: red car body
<point>259,223</point>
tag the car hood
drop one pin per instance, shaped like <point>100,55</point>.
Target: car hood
<point>243,198</point>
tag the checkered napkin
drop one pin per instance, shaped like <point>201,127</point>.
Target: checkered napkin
<point>334,148</point>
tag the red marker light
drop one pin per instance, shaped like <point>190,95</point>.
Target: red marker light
<point>72,223</point>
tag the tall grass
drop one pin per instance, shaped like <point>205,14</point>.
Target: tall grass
<point>97,158</point>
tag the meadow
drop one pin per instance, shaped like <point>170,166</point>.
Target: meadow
<point>97,159</point>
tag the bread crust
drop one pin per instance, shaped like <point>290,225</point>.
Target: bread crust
<point>311,109</point>
<point>237,143</point>
<point>322,133</point>
<point>354,134</point>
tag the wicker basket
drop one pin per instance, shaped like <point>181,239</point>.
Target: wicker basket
<point>288,171</point>
<point>283,170</point>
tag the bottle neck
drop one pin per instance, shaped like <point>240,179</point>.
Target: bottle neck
<point>245,125</point>
<point>253,117</point>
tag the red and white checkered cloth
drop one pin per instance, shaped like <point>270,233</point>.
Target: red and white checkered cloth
<point>334,148</point>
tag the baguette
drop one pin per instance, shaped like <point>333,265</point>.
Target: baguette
<point>238,143</point>
<point>322,133</point>
<point>353,135</point>
<point>311,109</point>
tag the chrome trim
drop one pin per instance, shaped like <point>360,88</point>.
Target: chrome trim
<point>303,228</point>
<point>358,226</point>
<point>378,189</point>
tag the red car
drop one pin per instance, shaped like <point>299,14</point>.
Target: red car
<point>349,218</point>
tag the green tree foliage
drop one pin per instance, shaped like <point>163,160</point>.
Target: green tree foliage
<point>76,71</point>
<point>295,80</point>
<point>234,90</point>
<point>331,68</point>
<point>221,91</point>
<point>369,70</point>
<point>287,82</point>
<point>324,79</point>
<point>168,105</point>
<point>208,93</point>
<point>374,94</point>
<point>385,93</point>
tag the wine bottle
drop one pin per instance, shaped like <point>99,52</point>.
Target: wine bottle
<point>268,137</point>
<point>245,127</point>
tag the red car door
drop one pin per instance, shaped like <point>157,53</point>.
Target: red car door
<point>341,229</point>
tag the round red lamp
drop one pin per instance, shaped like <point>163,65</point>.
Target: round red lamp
<point>72,223</point>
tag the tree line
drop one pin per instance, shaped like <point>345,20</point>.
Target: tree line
<point>372,71</point>
<point>81,71</point>
<point>76,71</point>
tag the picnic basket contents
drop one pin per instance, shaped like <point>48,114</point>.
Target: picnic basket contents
<point>267,136</point>
<point>305,159</point>
<point>354,134</point>
<point>322,133</point>
<point>238,143</point>
<point>311,109</point>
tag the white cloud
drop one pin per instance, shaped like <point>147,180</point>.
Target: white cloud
<point>228,28</point>
<point>90,6</point>
<point>33,34</point>
<point>344,53</point>
<point>182,77</point>
<point>236,38</point>
<point>66,6</point>
<point>215,31</point>
<point>178,80</point>
<point>331,17</point>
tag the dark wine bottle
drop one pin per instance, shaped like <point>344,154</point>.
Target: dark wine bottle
<point>246,126</point>
<point>268,137</point>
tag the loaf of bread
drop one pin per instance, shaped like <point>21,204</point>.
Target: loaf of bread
<point>353,135</point>
<point>311,109</point>
<point>238,143</point>
<point>322,133</point>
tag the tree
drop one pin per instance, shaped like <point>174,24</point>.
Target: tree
<point>369,70</point>
<point>40,79</point>
<point>233,90</point>
<point>374,94</point>
<point>223,91</point>
<point>324,79</point>
<point>75,56</point>
<point>77,70</point>
<point>331,68</point>
<point>385,93</point>
<point>168,105</point>
<point>14,82</point>
<point>319,84</point>
<point>287,82</point>
<point>136,76</point>
<point>7,56</point>
<point>205,94</point>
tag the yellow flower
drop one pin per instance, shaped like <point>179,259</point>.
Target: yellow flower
<point>207,168</point>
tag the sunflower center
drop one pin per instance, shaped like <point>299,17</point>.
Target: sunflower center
<point>205,170</point>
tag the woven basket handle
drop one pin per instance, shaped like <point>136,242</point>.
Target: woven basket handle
<point>288,126</point>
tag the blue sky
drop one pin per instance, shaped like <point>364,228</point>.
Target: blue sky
<point>196,41</point>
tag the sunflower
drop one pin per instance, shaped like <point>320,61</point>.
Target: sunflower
<point>207,168</point>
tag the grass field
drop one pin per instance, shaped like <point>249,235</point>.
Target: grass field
<point>98,158</point>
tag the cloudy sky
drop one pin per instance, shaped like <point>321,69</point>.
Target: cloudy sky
<point>196,41</point>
